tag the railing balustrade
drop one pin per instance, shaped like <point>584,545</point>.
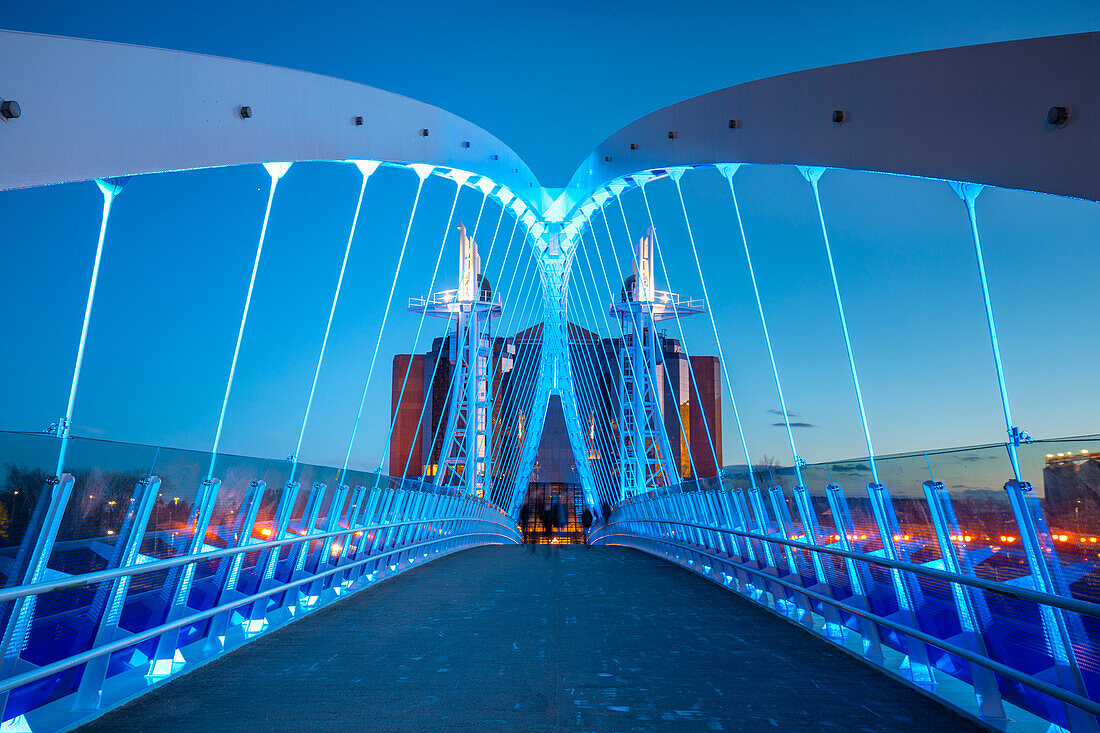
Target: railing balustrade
<point>987,597</point>
<point>107,595</point>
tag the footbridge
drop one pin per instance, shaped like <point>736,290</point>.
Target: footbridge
<point>151,585</point>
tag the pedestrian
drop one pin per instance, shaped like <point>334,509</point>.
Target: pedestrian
<point>586,523</point>
<point>561,515</point>
<point>547,526</point>
<point>524,519</point>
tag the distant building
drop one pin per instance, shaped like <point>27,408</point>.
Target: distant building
<point>514,358</point>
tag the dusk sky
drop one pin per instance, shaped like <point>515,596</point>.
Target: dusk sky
<point>551,80</point>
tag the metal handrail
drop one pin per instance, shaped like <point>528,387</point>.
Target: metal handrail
<point>1023,594</point>
<point>98,577</point>
<point>60,666</point>
<point>1000,668</point>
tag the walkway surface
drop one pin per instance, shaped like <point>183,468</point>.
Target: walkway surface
<point>500,639</point>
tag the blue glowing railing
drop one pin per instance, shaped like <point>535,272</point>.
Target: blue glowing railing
<point>985,595</point>
<point>123,574</point>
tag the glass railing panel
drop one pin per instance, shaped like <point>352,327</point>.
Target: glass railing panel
<point>26,461</point>
<point>105,476</point>
<point>1066,477</point>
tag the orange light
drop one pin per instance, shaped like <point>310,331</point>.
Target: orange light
<point>966,539</point>
<point>905,537</point>
<point>266,531</point>
<point>1062,537</point>
<point>1011,538</point>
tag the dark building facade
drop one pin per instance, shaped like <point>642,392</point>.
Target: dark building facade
<point>515,362</point>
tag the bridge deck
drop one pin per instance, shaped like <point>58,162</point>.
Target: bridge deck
<point>498,638</point>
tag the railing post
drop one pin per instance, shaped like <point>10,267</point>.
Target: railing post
<point>177,585</point>
<point>834,629</point>
<point>229,570</point>
<point>1063,629</point>
<point>300,552</point>
<point>858,577</point>
<point>30,564</point>
<point>106,608</point>
<point>974,617</point>
<point>906,589</point>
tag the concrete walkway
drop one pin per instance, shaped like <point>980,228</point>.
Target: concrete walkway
<point>500,639</point>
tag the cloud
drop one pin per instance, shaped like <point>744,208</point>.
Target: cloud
<point>858,467</point>
<point>794,425</point>
<point>773,411</point>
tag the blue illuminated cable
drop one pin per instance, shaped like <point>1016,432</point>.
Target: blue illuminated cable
<point>419,327</point>
<point>652,368</point>
<point>604,376</point>
<point>366,173</point>
<point>445,448</point>
<point>524,301</point>
<point>421,174</point>
<point>813,175</point>
<point>485,331</point>
<point>508,298</point>
<point>442,458</point>
<point>763,325</point>
<point>423,408</point>
<point>591,395</point>
<point>968,192</point>
<point>585,378</point>
<point>576,282</point>
<point>109,192</point>
<point>517,388</point>
<point>603,312</point>
<point>683,340</point>
<point>511,237</point>
<point>500,394</point>
<point>683,344</point>
<point>275,172</point>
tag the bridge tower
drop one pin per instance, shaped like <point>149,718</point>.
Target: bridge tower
<point>644,450</point>
<point>466,447</point>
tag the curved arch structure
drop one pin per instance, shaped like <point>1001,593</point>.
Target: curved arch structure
<point>92,109</point>
<point>933,114</point>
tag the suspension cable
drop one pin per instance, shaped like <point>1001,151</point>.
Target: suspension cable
<point>422,172</point>
<point>683,343</point>
<point>813,175</point>
<point>366,168</point>
<point>275,171</point>
<point>109,189</point>
<point>763,324</point>
<point>419,329</point>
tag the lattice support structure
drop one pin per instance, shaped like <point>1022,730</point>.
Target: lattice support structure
<point>467,442</point>
<point>644,450</point>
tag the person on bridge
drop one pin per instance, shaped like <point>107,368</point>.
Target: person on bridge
<point>548,526</point>
<point>586,523</point>
<point>524,518</point>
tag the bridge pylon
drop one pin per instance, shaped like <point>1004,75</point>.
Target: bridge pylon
<point>644,450</point>
<point>466,447</point>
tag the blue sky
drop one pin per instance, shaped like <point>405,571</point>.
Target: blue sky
<point>551,80</point>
